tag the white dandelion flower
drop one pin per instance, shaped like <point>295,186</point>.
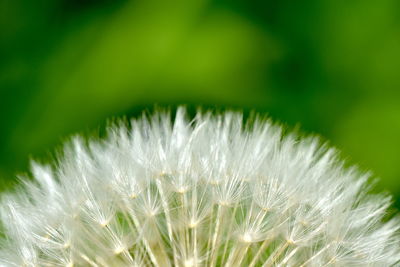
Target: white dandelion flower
<point>208,192</point>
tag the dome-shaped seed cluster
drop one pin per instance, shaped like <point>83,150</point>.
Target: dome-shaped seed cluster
<point>209,192</point>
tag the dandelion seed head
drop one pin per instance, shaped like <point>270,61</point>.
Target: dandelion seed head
<point>212,191</point>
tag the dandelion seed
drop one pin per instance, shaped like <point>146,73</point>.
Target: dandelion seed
<point>208,192</point>
<point>247,238</point>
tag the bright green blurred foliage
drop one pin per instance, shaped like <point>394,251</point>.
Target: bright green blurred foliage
<point>331,66</point>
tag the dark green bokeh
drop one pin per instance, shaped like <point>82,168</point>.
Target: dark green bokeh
<point>331,66</point>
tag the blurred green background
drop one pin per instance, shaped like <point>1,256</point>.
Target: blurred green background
<point>333,67</point>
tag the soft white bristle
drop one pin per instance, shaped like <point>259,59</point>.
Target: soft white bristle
<point>209,192</point>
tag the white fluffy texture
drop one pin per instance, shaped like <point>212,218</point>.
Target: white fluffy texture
<point>210,192</point>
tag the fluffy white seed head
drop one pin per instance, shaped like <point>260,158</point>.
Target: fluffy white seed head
<point>208,192</point>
